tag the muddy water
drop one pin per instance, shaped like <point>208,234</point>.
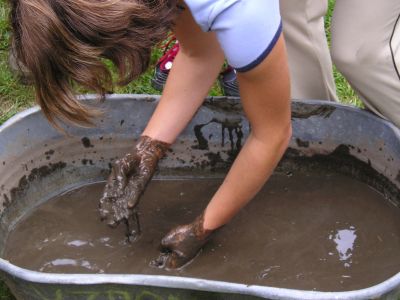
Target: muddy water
<point>317,230</point>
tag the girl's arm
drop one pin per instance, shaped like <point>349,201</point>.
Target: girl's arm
<point>264,92</point>
<point>265,96</point>
<point>194,71</point>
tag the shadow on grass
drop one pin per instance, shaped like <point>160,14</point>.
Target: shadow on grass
<point>5,293</point>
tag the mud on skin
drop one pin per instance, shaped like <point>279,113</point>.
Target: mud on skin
<point>182,244</point>
<point>127,182</point>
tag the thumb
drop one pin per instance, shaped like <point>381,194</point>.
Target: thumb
<point>133,191</point>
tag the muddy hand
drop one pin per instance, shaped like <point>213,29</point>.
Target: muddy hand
<point>128,179</point>
<point>182,244</point>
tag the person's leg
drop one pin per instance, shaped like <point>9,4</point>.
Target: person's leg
<point>366,49</point>
<point>308,53</point>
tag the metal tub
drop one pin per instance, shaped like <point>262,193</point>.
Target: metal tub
<point>37,162</point>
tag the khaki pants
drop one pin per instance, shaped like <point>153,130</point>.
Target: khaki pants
<point>308,53</point>
<point>365,48</point>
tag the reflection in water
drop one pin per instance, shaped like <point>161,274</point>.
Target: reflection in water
<point>70,262</point>
<point>78,243</point>
<point>344,240</point>
<point>264,273</point>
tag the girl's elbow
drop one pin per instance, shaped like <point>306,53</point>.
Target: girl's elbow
<point>285,136</point>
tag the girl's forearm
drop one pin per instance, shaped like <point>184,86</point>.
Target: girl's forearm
<point>188,84</point>
<point>250,171</point>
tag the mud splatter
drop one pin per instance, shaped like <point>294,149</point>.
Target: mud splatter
<point>304,111</point>
<point>87,161</point>
<point>215,160</point>
<point>7,201</point>
<point>50,152</point>
<point>201,140</point>
<point>86,142</point>
<point>302,144</point>
<point>230,126</point>
<point>341,161</point>
<point>224,104</point>
<point>35,174</point>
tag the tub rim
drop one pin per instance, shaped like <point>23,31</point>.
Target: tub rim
<point>191,283</point>
<point>140,97</point>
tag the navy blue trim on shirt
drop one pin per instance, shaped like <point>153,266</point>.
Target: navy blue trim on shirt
<point>263,55</point>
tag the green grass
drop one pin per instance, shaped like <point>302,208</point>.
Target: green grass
<point>15,97</point>
<point>5,294</point>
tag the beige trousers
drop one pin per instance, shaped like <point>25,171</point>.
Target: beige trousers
<point>308,53</point>
<point>365,49</point>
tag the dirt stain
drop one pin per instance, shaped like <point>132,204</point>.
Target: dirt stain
<point>305,111</point>
<point>35,174</point>
<point>230,127</point>
<point>86,142</point>
<point>302,144</point>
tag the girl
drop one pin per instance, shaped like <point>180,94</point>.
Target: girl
<point>63,41</point>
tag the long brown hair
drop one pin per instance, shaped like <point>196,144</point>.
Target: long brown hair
<point>63,42</point>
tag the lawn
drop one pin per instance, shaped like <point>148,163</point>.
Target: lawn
<point>15,97</point>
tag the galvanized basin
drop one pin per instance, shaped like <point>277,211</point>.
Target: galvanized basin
<point>37,162</point>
